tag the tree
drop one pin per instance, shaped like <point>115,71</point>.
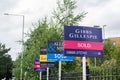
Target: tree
<point>5,62</point>
<point>44,31</point>
<point>3,49</point>
<point>64,15</point>
<point>110,55</point>
<point>38,37</point>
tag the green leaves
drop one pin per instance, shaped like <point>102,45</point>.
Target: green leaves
<point>64,14</point>
<point>3,49</point>
<point>111,55</point>
<point>5,61</point>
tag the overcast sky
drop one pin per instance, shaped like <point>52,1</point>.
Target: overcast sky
<point>100,12</point>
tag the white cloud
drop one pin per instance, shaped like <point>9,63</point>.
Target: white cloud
<point>11,26</point>
<point>106,13</point>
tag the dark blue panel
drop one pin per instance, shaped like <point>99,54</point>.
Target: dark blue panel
<point>40,69</point>
<point>43,50</point>
<point>83,33</point>
<point>87,53</point>
<point>36,61</point>
<point>47,64</point>
<point>55,47</point>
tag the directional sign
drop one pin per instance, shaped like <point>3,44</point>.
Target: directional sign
<point>55,52</point>
<point>83,41</point>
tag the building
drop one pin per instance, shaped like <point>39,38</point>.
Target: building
<point>115,40</point>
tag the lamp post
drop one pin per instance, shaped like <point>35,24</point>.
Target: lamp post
<point>96,26</point>
<point>104,31</point>
<point>103,37</point>
<point>22,41</point>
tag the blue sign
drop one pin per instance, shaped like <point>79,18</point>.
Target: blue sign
<point>59,57</point>
<point>55,47</point>
<point>36,60</point>
<point>83,41</point>
<point>55,52</point>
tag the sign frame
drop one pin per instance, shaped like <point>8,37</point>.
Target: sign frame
<point>82,41</point>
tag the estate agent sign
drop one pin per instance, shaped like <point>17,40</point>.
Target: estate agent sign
<point>55,52</point>
<point>83,41</point>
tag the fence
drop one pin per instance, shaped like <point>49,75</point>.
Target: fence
<point>105,74</point>
<point>92,74</point>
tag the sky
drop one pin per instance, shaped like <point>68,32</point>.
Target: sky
<point>100,13</point>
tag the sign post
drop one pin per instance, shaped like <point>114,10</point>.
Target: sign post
<point>83,41</point>
<point>60,70</point>
<point>84,67</point>
<point>47,73</point>
<point>40,76</point>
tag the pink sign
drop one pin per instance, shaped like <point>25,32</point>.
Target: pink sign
<point>83,45</point>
